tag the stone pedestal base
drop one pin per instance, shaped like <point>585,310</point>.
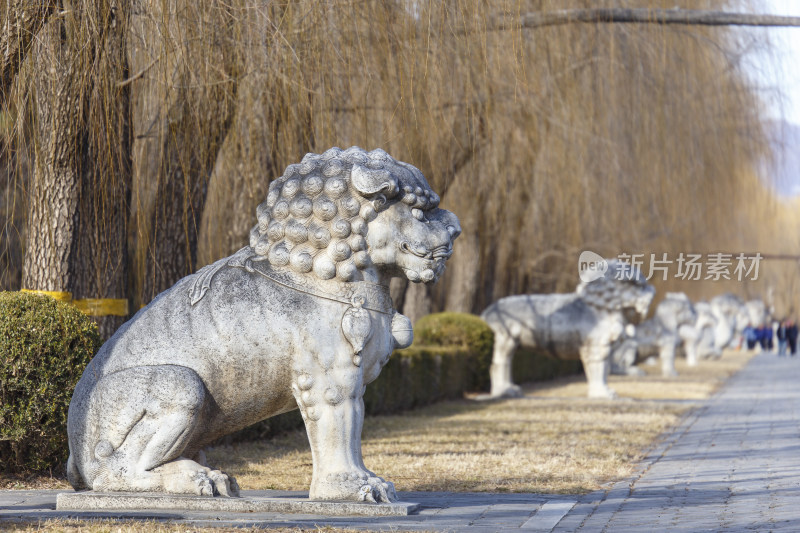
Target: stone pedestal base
<point>132,501</point>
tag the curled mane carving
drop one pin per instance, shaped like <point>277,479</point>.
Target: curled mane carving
<point>619,287</point>
<point>316,216</point>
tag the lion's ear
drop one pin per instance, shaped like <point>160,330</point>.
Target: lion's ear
<point>379,202</point>
<point>368,181</point>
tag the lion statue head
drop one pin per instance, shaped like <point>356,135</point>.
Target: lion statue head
<point>622,288</point>
<point>353,215</point>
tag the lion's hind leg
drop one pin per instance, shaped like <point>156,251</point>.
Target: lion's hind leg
<point>144,419</point>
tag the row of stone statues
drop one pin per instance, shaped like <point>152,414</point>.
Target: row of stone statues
<point>602,324</point>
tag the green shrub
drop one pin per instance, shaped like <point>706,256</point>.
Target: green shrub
<point>465,331</point>
<point>454,329</point>
<point>44,347</point>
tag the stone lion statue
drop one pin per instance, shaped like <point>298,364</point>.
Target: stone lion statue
<point>299,318</point>
<point>583,324</point>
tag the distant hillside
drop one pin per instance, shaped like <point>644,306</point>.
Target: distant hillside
<point>785,172</point>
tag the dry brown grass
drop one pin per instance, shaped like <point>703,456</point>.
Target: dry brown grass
<point>32,482</point>
<point>693,383</point>
<point>553,440</point>
<point>550,445</point>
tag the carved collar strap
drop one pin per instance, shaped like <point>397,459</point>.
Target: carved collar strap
<point>375,297</point>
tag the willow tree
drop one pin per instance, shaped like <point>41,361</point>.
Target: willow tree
<point>78,199</point>
<point>183,99</point>
<point>545,139</point>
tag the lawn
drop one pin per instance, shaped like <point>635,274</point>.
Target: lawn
<point>553,440</point>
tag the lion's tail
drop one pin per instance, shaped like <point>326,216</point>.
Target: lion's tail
<point>73,474</point>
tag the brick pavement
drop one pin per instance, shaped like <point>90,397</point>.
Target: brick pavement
<point>734,465</point>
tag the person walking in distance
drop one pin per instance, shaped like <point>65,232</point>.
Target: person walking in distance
<point>780,334</point>
<point>791,336</point>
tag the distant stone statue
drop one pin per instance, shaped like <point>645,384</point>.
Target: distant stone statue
<point>698,338</point>
<point>659,336</point>
<point>581,325</point>
<point>300,318</point>
<point>706,348</point>
<point>731,318</point>
<point>757,313</point>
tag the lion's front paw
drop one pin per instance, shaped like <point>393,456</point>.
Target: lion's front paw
<point>377,490</point>
<point>187,477</point>
<point>224,485</point>
<point>354,486</point>
<point>209,482</point>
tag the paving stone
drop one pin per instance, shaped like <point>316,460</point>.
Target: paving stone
<point>729,465</point>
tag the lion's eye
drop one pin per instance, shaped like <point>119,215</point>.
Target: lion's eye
<point>418,214</point>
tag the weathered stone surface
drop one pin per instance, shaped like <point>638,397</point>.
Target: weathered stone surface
<point>583,324</point>
<point>300,318</point>
<point>136,501</point>
<point>731,316</point>
<point>698,338</point>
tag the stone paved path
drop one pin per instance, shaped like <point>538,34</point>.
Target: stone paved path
<point>733,465</point>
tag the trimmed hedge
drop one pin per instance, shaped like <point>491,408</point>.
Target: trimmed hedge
<point>533,365</point>
<point>44,347</point>
<point>421,375</point>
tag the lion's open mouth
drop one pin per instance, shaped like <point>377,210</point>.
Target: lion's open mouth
<point>434,264</point>
<point>442,252</point>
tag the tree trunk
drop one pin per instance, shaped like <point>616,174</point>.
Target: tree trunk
<point>21,21</point>
<point>53,200</point>
<point>417,301</point>
<point>463,273</point>
<point>79,196</point>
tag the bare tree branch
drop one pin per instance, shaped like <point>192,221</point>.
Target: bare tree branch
<point>642,16</point>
